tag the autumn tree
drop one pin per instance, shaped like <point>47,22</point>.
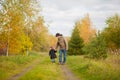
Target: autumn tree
<point>15,15</point>
<point>52,40</point>
<point>39,35</point>
<point>75,43</point>
<point>112,32</point>
<point>86,29</point>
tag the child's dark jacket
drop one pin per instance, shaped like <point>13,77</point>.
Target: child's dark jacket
<point>52,54</point>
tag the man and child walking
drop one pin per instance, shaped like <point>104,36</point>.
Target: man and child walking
<point>63,47</point>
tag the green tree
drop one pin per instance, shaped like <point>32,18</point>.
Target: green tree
<point>75,43</point>
<point>112,32</point>
<point>96,48</point>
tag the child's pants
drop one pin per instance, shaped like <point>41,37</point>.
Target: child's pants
<point>53,60</point>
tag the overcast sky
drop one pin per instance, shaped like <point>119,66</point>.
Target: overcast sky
<point>61,15</point>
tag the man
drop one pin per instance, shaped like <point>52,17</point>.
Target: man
<point>63,47</point>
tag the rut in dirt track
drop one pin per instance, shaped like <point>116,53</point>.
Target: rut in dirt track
<point>24,71</point>
<point>69,75</point>
<point>66,71</point>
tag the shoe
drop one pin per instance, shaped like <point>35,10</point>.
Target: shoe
<point>60,63</point>
<point>63,63</point>
<point>53,61</point>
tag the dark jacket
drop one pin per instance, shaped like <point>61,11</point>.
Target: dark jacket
<point>52,54</point>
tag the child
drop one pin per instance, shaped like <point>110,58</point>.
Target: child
<point>52,54</point>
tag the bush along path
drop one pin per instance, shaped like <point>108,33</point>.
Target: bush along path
<point>43,69</point>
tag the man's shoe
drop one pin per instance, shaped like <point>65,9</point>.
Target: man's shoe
<point>60,63</point>
<point>63,63</point>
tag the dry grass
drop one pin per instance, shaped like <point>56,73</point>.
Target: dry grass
<point>88,69</point>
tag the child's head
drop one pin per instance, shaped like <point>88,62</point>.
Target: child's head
<point>51,47</point>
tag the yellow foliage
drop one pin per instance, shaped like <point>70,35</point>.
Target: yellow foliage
<point>52,40</point>
<point>17,17</point>
<point>26,44</point>
<point>86,29</point>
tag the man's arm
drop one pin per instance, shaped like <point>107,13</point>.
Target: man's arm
<point>57,44</point>
<point>66,43</point>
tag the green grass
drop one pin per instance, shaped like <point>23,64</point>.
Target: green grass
<point>12,65</point>
<point>45,70</point>
<point>87,69</point>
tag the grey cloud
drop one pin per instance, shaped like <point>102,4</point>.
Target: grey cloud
<point>62,14</point>
<point>68,4</point>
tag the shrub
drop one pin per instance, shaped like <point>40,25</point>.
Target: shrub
<point>96,48</point>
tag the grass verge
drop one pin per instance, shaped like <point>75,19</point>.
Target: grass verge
<point>12,65</point>
<point>88,69</point>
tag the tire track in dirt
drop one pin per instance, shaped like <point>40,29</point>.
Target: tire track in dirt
<point>25,70</point>
<point>65,70</point>
<point>69,75</point>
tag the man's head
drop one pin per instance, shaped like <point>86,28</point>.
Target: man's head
<point>57,34</point>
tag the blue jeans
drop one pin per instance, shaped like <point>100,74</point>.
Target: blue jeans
<point>62,54</point>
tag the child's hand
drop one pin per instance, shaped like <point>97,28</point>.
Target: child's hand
<point>55,51</point>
